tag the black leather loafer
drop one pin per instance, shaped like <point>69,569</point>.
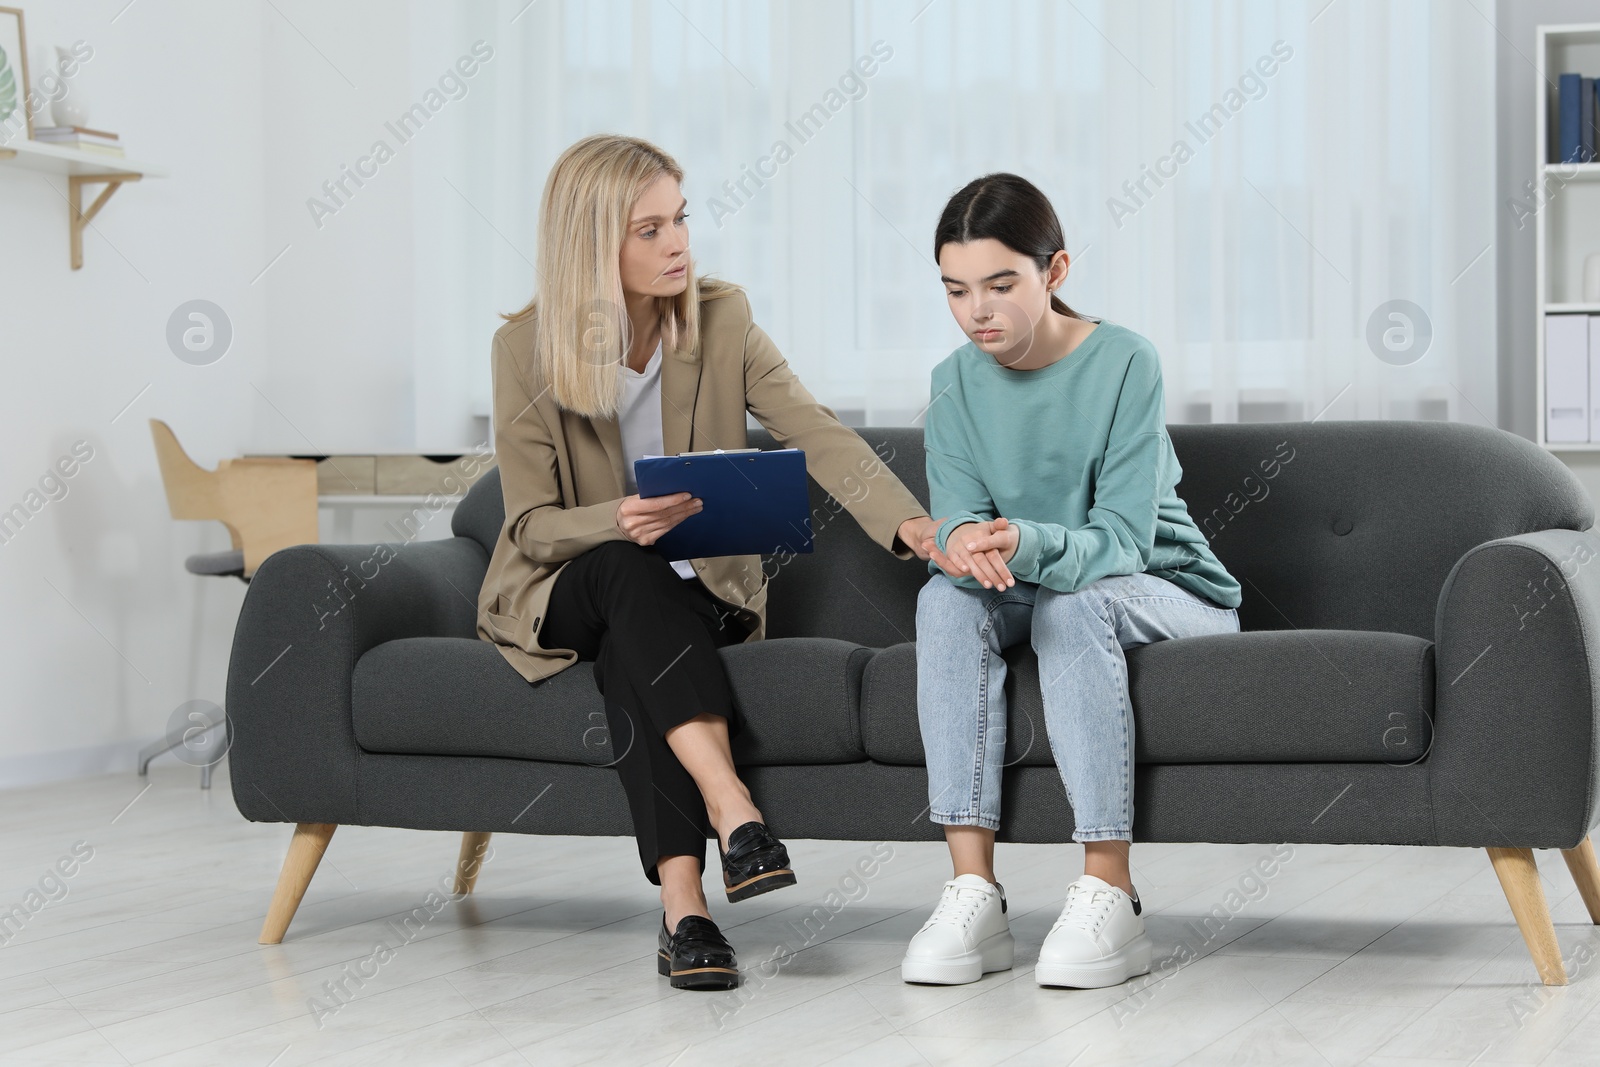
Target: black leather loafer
<point>696,956</point>
<point>755,863</point>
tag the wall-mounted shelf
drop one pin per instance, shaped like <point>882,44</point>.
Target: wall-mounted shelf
<point>80,169</point>
<point>1576,172</point>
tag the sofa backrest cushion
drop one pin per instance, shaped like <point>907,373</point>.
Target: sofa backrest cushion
<point>482,512</point>
<point>1360,521</point>
<point>848,587</point>
<point>1346,525</point>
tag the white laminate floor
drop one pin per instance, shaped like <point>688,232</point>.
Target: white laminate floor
<point>1344,955</point>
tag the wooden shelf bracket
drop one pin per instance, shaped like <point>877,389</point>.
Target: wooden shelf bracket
<point>81,218</point>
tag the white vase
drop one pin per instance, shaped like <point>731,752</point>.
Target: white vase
<point>70,110</point>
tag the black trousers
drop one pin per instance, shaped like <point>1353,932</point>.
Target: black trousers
<point>653,636</point>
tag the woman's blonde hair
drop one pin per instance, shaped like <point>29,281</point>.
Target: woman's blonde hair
<point>581,326</point>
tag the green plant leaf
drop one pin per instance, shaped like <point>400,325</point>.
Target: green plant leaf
<point>8,88</point>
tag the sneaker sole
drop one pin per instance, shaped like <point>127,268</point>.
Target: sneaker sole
<point>996,953</point>
<point>1132,961</point>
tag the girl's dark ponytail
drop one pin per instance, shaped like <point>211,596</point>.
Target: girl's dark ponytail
<point>1010,209</point>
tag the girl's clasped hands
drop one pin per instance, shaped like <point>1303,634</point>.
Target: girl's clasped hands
<point>978,549</point>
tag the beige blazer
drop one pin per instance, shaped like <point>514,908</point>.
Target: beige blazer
<point>562,473</point>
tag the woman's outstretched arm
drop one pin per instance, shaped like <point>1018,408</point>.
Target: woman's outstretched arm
<point>836,456</point>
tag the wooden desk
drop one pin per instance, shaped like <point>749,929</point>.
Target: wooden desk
<point>394,473</point>
<point>397,480</point>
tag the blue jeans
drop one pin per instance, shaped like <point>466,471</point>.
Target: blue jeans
<point>1079,638</point>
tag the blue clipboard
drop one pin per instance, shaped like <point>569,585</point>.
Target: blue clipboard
<point>754,501</point>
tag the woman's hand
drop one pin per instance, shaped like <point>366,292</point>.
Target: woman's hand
<point>980,549</point>
<point>643,519</point>
<point>916,531</point>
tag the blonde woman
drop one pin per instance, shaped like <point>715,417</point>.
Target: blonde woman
<point>624,353</point>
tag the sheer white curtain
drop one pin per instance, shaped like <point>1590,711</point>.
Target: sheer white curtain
<point>1336,157</point>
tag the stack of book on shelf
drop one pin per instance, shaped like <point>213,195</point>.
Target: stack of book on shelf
<point>99,142</point>
<point>1572,378</point>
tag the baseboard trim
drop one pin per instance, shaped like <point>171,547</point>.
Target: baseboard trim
<point>42,768</point>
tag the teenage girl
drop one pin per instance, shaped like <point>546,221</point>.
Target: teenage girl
<point>1048,454</point>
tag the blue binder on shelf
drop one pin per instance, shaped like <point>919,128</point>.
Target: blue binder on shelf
<point>1569,119</point>
<point>754,501</point>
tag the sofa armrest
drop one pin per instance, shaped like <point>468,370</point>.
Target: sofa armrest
<point>1517,633</point>
<point>311,612</point>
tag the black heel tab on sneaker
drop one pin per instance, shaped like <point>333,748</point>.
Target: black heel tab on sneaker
<point>1002,890</point>
<point>1138,909</point>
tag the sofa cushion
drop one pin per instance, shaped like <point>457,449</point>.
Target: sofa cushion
<point>1268,696</point>
<point>458,696</point>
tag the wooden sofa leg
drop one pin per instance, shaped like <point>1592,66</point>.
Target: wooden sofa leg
<point>305,852</point>
<point>473,846</point>
<point>1581,862</point>
<point>1519,877</point>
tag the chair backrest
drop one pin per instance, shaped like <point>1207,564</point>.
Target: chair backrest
<point>192,491</point>
<point>266,503</point>
<point>1349,525</point>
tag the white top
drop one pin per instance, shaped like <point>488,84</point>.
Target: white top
<point>639,418</point>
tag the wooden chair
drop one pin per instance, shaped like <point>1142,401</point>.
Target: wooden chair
<point>266,503</point>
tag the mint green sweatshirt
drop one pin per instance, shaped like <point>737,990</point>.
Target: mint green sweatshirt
<point>1076,455</point>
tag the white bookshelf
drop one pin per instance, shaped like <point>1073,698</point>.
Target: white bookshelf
<point>80,169</point>
<point>1567,222</point>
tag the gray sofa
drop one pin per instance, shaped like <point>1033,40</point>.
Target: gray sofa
<point>1417,665</point>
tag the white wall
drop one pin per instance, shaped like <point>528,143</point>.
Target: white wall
<point>251,107</point>
<point>338,321</point>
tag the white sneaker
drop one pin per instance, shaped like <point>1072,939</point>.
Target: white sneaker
<point>1099,940</point>
<point>966,937</point>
